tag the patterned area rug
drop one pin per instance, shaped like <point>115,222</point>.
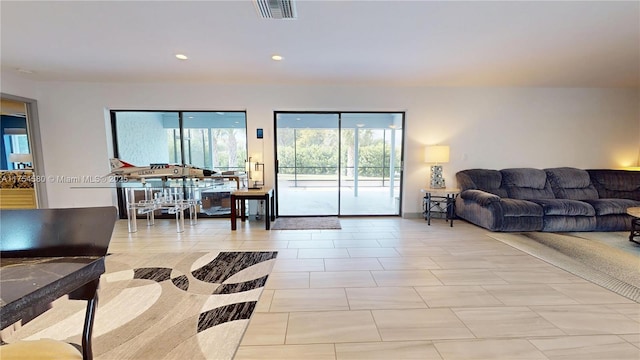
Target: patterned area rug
<point>164,306</point>
<point>612,261</point>
<point>306,223</point>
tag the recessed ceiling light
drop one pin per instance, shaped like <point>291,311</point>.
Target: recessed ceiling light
<point>276,57</point>
<point>181,56</point>
<point>359,125</point>
<point>24,71</point>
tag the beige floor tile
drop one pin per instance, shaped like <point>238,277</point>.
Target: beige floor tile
<point>457,296</point>
<point>288,280</point>
<point>487,249</point>
<point>289,235</point>
<point>420,250</point>
<point>351,243</point>
<point>379,252</point>
<point>467,277</point>
<point>538,276</point>
<point>287,254</point>
<point>423,350</point>
<point>411,243</point>
<point>415,234</point>
<point>352,264</point>
<point>342,279</point>
<point>340,235</point>
<point>587,319</point>
<point>289,265</point>
<point>631,310</point>
<point>633,339</point>
<point>490,322</point>
<point>207,245</point>
<point>589,293</point>
<point>419,324</point>
<point>286,352</point>
<point>264,302</point>
<point>367,234</point>
<point>597,347</point>
<point>331,327</point>
<point>309,300</point>
<point>311,244</point>
<point>519,261</point>
<point>384,298</point>
<point>408,263</point>
<point>494,349</point>
<point>405,278</point>
<point>323,253</point>
<point>528,294</point>
<point>461,262</point>
<point>264,244</point>
<point>266,329</point>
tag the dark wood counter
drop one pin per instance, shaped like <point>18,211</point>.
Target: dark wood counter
<point>49,253</point>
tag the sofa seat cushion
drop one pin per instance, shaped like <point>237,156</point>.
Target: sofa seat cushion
<point>515,207</point>
<point>526,183</point>
<point>569,223</point>
<point>612,206</point>
<point>565,207</point>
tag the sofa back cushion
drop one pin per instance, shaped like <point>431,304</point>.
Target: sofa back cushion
<point>571,183</point>
<point>526,183</point>
<point>481,179</point>
<point>620,184</point>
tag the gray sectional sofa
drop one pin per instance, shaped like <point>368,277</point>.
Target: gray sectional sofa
<point>557,199</point>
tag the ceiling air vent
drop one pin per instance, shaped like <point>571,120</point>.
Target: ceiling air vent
<point>276,9</point>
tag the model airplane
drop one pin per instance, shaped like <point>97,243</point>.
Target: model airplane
<point>159,171</point>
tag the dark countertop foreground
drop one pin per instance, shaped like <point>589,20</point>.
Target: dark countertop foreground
<point>28,285</point>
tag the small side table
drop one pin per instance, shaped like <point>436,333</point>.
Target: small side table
<point>442,200</point>
<point>241,195</point>
<point>635,224</point>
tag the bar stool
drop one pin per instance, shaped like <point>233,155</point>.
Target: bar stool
<point>43,349</point>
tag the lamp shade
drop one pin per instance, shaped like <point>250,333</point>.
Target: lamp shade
<point>20,158</point>
<point>436,154</point>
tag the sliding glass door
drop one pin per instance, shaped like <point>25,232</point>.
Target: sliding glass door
<point>370,165</point>
<point>307,164</point>
<point>344,163</point>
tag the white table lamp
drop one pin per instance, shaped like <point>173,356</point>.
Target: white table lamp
<point>436,154</point>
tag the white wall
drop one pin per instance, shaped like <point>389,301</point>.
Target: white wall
<point>485,127</point>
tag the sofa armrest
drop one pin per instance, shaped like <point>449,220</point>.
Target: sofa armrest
<point>483,198</point>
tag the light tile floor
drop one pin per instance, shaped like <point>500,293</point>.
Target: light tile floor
<point>392,288</point>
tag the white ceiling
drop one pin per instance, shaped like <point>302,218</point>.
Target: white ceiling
<point>408,43</point>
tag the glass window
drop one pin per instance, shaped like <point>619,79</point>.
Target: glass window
<point>215,140</point>
<point>212,140</point>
